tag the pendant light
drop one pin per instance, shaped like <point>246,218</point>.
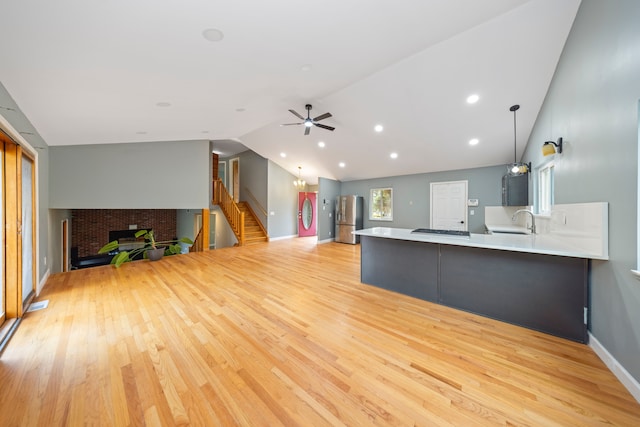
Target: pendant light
<point>299,183</point>
<point>516,168</point>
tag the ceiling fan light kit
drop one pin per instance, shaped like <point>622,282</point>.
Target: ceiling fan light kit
<point>309,122</point>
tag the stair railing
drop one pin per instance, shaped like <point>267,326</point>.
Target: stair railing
<point>234,215</point>
<point>252,212</point>
<point>197,243</point>
<point>262,210</point>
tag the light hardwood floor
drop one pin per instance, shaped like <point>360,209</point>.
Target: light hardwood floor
<point>284,333</point>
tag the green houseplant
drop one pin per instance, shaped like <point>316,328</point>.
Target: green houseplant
<point>152,249</point>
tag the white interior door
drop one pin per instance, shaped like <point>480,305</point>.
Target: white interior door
<point>449,205</point>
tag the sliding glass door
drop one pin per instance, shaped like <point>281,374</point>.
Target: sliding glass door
<point>18,231</point>
<point>3,310</point>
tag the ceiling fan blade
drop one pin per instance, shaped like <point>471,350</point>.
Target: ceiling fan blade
<point>320,125</point>
<point>296,114</point>
<point>290,124</point>
<point>322,117</point>
<point>307,130</point>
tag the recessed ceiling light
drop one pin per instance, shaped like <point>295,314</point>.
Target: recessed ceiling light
<point>341,164</point>
<point>306,67</point>
<point>393,155</point>
<point>473,141</point>
<point>213,34</point>
<point>163,104</point>
<point>141,132</point>
<point>378,128</point>
<point>321,144</point>
<point>283,155</point>
<point>472,99</point>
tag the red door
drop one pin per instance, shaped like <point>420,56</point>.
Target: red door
<point>306,214</point>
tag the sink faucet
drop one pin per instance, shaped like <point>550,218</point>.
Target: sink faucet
<point>533,219</point>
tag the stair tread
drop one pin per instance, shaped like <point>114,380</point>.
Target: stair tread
<point>253,233</point>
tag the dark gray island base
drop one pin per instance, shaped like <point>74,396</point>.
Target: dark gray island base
<point>544,292</point>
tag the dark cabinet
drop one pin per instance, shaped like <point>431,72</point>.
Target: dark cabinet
<point>548,293</point>
<point>515,190</point>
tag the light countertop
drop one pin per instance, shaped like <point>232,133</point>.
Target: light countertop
<point>533,243</point>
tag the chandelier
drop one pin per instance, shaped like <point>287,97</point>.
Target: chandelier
<point>299,183</point>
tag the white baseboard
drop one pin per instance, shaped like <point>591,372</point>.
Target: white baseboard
<point>614,366</point>
<point>273,239</point>
<point>326,240</point>
<point>43,281</point>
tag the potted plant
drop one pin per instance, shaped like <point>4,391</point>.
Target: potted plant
<point>152,249</point>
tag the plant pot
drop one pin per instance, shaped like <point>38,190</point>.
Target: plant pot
<point>155,254</point>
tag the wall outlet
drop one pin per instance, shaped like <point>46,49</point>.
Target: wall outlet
<point>133,226</point>
<point>45,260</point>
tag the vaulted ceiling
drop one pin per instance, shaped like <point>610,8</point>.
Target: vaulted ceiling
<point>100,72</point>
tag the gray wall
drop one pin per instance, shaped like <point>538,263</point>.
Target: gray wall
<point>411,204</point>
<point>593,104</point>
<point>273,190</point>
<point>149,175</point>
<point>185,219</point>
<point>283,203</point>
<point>253,180</point>
<point>328,191</point>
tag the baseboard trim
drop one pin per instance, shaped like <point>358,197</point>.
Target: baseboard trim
<point>614,366</point>
<point>273,239</point>
<point>326,240</point>
<point>43,281</point>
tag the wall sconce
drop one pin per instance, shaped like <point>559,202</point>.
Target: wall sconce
<point>550,147</point>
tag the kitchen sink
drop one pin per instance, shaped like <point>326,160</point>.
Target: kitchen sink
<point>507,229</point>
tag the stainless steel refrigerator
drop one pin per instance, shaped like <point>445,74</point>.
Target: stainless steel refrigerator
<point>348,218</point>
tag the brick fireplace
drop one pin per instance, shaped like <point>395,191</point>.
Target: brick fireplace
<point>90,227</point>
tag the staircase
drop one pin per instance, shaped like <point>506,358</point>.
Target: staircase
<point>241,218</point>
<point>254,232</point>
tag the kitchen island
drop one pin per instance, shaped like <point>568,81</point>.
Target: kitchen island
<point>535,281</point>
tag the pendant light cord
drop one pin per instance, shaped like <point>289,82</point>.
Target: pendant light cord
<point>514,108</point>
<point>515,155</point>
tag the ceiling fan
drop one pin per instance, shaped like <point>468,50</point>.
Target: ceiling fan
<point>308,122</point>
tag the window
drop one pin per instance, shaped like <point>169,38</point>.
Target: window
<point>545,189</point>
<point>381,204</point>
